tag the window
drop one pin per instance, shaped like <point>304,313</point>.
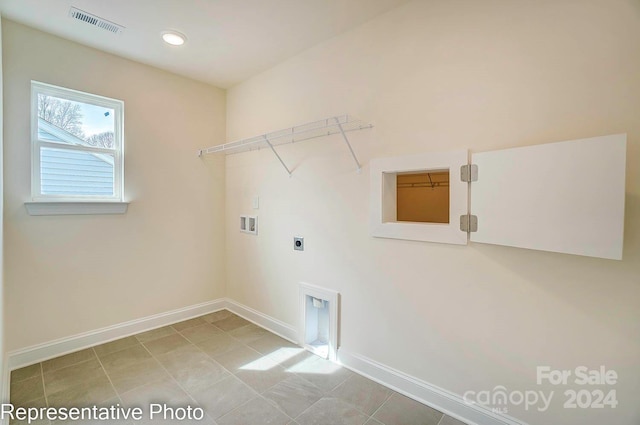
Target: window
<point>77,146</point>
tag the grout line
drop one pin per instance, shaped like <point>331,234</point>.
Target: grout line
<point>336,386</point>
<point>211,358</point>
<point>383,403</point>
<point>273,404</point>
<point>67,366</point>
<point>440,421</point>
<point>327,394</point>
<point>175,380</point>
<point>44,389</point>
<point>188,393</point>
<point>118,350</point>
<point>341,384</point>
<point>312,404</point>
<point>191,326</point>
<point>168,373</point>
<point>220,329</point>
<point>108,377</point>
<point>195,342</point>
<point>231,374</point>
<point>238,407</point>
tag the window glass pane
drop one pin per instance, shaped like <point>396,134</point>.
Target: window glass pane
<point>75,123</point>
<point>71,172</point>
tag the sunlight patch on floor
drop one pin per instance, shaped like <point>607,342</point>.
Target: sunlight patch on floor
<point>272,359</point>
<point>281,355</point>
<point>315,365</point>
<point>262,364</point>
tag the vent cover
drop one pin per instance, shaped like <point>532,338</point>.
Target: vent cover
<point>94,20</point>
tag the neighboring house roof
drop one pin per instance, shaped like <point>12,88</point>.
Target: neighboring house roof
<point>53,133</point>
<point>72,172</point>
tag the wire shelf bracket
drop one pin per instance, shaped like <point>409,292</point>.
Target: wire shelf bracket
<point>266,139</point>
<point>341,124</point>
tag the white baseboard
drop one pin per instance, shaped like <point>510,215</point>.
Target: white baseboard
<point>37,353</point>
<point>6,381</point>
<point>275,326</point>
<point>451,404</point>
<point>5,387</point>
<point>442,400</point>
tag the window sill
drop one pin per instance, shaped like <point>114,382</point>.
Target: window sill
<point>75,208</point>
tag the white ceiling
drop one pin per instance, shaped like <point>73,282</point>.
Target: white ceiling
<point>228,40</point>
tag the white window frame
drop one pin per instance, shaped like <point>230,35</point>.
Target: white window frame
<point>117,152</point>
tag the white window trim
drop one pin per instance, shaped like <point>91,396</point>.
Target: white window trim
<point>76,204</point>
<point>75,208</point>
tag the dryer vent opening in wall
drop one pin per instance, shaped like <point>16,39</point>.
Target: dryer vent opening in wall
<point>316,334</point>
<point>319,320</point>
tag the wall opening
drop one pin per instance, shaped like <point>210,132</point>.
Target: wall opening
<point>420,196</point>
<point>423,197</point>
<point>319,321</point>
<point>316,332</point>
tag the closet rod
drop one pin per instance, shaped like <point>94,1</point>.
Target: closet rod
<point>419,185</point>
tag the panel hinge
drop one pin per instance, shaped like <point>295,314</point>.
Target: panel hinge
<point>469,223</point>
<point>469,173</point>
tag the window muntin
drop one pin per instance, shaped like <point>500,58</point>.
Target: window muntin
<point>77,146</point>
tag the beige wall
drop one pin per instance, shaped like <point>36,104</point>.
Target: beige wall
<point>440,76</point>
<point>70,274</point>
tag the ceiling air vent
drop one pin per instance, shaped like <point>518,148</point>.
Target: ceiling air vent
<point>94,20</point>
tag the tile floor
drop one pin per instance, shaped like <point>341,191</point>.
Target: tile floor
<point>236,371</point>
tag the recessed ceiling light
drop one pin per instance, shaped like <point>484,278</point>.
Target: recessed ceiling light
<point>174,38</point>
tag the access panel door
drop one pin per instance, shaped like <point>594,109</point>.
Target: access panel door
<point>563,197</point>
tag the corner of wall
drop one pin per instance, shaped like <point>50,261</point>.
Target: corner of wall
<point>4,373</point>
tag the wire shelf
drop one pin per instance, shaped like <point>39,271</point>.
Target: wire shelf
<point>341,124</point>
<point>299,133</point>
